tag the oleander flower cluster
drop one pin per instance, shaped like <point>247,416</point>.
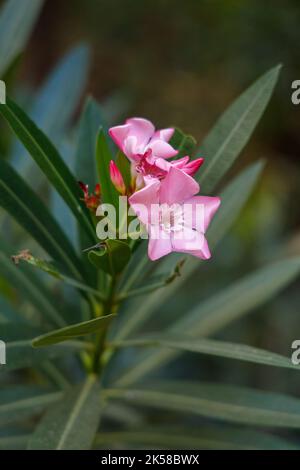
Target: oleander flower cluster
<point>164,193</point>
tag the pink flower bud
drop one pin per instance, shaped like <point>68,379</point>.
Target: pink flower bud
<point>117,178</point>
<point>193,166</point>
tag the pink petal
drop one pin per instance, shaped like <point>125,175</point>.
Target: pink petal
<point>205,207</point>
<point>177,187</point>
<point>119,134</point>
<point>142,129</point>
<point>163,134</point>
<point>181,162</point>
<point>204,252</point>
<point>131,147</point>
<point>187,240</point>
<point>162,149</point>
<point>142,200</point>
<point>159,244</point>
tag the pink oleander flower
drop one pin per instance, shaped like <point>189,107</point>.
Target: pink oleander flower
<point>117,178</point>
<point>142,144</point>
<point>176,219</point>
<point>148,150</point>
<point>190,167</point>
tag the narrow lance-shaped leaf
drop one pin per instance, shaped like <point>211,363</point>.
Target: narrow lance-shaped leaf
<point>73,331</point>
<point>52,270</point>
<point>54,104</point>
<point>22,203</point>
<point>204,437</point>
<point>49,160</point>
<point>31,287</point>
<point>218,311</point>
<point>18,442</point>
<point>240,352</point>
<point>223,402</point>
<point>233,130</point>
<point>103,157</point>
<point>85,162</point>
<point>72,423</point>
<point>20,403</point>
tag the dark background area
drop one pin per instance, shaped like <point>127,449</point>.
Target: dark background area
<point>182,63</point>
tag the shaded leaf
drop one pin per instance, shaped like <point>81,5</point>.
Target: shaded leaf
<point>30,286</point>
<point>20,403</point>
<point>112,258</point>
<point>223,402</point>
<point>22,203</point>
<point>48,159</point>
<point>73,331</point>
<point>218,311</point>
<point>233,130</point>
<point>205,437</point>
<point>72,423</point>
<point>240,352</point>
<point>103,157</point>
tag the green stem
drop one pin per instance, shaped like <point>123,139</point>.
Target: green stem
<point>109,305</point>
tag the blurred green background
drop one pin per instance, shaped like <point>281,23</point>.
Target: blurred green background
<point>182,63</point>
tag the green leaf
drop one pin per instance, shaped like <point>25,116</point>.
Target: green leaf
<point>85,166</point>
<point>14,442</point>
<point>229,350</point>
<point>138,266</point>
<point>72,423</point>
<point>21,202</point>
<point>240,298</point>
<point>204,437</point>
<point>233,198</point>
<point>20,403</point>
<point>154,283</point>
<point>112,258</point>
<point>8,313</point>
<point>54,104</point>
<point>51,269</point>
<point>73,331</point>
<point>20,354</point>
<point>48,159</point>
<point>223,402</point>
<point>16,22</point>
<point>231,206</point>
<point>30,286</point>
<point>233,130</point>
<point>125,168</point>
<point>219,310</point>
<point>216,312</point>
<point>185,144</point>
<point>103,157</point>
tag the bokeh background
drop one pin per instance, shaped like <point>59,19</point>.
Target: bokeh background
<point>182,63</point>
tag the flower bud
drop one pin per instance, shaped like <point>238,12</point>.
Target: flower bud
<point>117,178</point>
